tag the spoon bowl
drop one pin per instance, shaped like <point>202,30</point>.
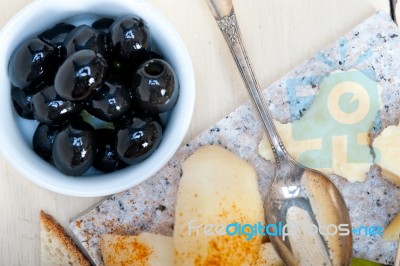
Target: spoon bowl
<point>316,225</point>
<point>307,218</point>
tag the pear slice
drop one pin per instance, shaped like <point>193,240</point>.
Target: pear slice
<point>217,189</point>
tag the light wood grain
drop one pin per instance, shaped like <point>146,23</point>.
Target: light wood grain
<point>279,35</point>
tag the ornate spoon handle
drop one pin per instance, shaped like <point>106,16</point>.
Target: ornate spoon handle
<point>226,19</point>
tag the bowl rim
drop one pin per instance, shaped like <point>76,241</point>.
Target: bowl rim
<point>39,171</point>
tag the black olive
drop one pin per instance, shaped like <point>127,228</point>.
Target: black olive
<point>103,26</point>
<point>22,100</point>
<point>84,37</point>
<point>110,102</point>
<point>107,159</point>
<point>43,140</point>
<point>155,86</point>
<point>55,36</point>
<point>129,35</point>
<point>137,138</point>
<point>50,108</point>
<point>74,148</point>
<point>32,63</point>
<point>80,75</point>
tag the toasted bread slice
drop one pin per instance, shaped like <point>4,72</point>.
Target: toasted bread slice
<point>56,248</point>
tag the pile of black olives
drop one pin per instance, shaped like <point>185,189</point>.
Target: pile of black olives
<point>100,93</point>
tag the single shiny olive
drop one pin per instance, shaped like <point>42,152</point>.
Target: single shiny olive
<point>74,148</point>
<point>84,37</point>
<point>110,102</point>
<point>32,63</point>
<point>137,138</point>
<point>107,159</point>
<point>80,75</point>
<point>50,108</point>
<point>22,100</point>
<point>129,35</point>
<point>155,87</point>
<point>55,36</point>
<point>43,140</point>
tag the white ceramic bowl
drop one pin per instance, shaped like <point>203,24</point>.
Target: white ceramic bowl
<point>15,133</point>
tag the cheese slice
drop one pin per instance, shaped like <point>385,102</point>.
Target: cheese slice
<point>392,232</point>
<point>217,189</point>
<point>387,150</point>
<point>145,249</point>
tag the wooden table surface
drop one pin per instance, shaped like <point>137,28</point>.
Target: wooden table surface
<point>278,34</point>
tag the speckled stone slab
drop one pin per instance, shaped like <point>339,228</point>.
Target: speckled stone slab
<point>373,48</point>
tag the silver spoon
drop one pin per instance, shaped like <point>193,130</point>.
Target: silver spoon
<point>315,220</point>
